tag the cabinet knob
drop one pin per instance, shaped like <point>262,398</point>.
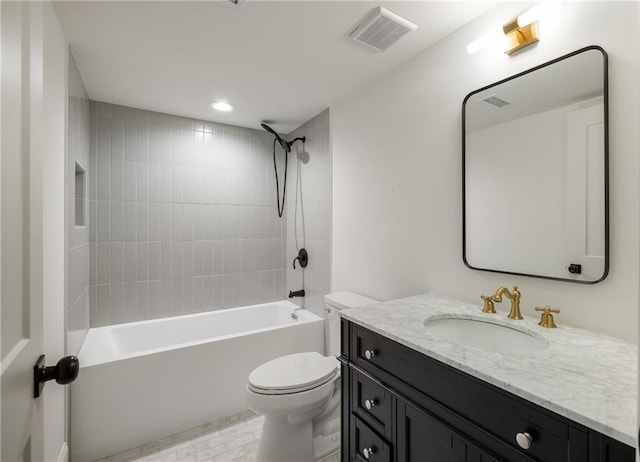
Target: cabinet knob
<point>366,452</point>
<point>370,403</point>
<point>369,354</point>
<point>524,440</point>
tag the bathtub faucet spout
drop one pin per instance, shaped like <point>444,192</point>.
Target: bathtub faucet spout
<point>296,293</point>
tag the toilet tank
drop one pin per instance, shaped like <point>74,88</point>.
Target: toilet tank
<point>334,303</point>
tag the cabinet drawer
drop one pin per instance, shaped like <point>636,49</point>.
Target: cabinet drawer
<point>477,407</point>
<point>367,445</point>
<point>371,401</point>
<point>369,349</point>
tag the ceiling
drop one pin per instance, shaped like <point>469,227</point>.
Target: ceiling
<point>280,62</point>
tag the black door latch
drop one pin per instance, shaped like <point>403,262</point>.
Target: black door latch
<point>64,372</point>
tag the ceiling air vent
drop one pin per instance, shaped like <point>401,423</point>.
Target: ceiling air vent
<point>497,102</point>
<point>380,28</point>
<point>235,4</point>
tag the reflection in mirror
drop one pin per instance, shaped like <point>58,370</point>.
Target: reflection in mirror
<point>535,189</point>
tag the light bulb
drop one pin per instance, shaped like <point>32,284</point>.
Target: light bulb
<point>222,106</point>
<point>532,15</point>
<point>486,41</point>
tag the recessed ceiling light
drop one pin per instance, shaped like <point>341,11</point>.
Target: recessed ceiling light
<point>222,106</point>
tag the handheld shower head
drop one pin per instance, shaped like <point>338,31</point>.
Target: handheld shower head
<point>285,144</point>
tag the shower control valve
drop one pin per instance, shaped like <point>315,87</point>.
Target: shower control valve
<point>303,258</point>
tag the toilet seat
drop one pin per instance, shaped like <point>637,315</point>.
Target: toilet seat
<point>293,373</point>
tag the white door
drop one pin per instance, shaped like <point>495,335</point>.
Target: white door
<point>26,150</point>
<point>585,217</point>
<point>20,210</point>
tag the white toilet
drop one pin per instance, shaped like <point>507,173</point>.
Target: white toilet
<point>299,395</point>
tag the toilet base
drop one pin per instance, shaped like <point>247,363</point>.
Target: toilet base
<point>308,441</point>
<point>326,444</point>
<point>284,442</point>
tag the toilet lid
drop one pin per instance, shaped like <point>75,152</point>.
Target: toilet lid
<point>293,373</point>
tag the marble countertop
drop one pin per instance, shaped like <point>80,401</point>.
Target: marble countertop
<point>584,376</point>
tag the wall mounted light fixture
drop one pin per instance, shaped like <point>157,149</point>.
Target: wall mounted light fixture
<point>519,37</point>
<point>514,35</point>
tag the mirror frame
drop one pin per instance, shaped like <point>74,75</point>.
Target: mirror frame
<point>605,81</point>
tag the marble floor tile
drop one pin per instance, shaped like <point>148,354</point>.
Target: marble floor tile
<point>229,440</point>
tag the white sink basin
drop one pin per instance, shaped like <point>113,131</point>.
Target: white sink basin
<point>485,335</point>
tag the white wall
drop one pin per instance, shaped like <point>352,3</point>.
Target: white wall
<point>397,227</point>
<point>53,250</point>
<point>542,184</point>
<point>77,237</point>
<point>182,216</point>
<point>493,189</point>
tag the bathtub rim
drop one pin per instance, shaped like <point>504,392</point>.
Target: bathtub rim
<point>304,316</point>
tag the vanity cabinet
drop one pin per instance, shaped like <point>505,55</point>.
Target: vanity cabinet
<point>400,405</point>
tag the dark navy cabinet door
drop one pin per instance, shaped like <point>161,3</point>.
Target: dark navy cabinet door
<point>422,437</point>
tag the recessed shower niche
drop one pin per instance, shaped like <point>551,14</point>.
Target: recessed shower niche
<point>80,195</point>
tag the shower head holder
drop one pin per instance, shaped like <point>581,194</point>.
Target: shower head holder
<point>286,145</point>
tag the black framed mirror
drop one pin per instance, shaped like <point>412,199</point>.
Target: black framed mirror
<point>535,154</point>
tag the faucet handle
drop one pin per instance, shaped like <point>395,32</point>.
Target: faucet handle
<point>303,258</point>
<point>489,307</point>
<point>547,318</point>
<point>547,309</point>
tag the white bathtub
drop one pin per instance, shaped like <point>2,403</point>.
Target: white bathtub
<point>142,381</point>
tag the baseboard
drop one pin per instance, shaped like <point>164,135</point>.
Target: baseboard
<point>64,453</point>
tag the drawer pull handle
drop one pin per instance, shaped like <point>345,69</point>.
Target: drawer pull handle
<point>370,403</point>
<point>369,354</point>
<point>367,452</point>
<point>524,440</point>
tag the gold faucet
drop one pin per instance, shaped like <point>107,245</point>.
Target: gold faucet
<point>488,304</point>
<point>514,296</point>
<point>547,318</point>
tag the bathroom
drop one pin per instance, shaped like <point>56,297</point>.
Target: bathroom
<point>374,193</point>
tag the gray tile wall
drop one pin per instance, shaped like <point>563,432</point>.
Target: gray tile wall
<point>313,211</point>
<point>76,237</point>
<point>182,216</point>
